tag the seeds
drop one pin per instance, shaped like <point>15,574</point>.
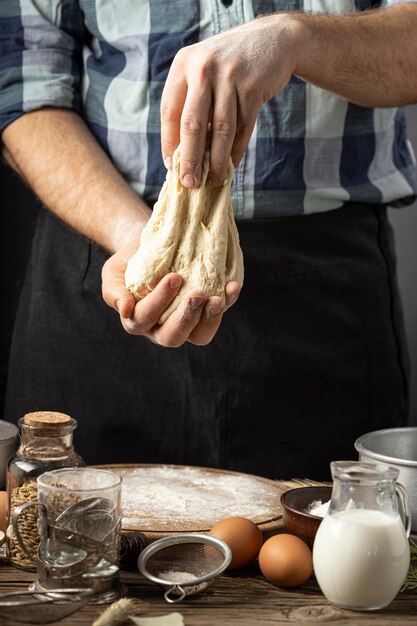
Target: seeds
<point>28,527</point>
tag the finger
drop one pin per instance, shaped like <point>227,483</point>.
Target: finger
<point>223,130</point>
<point>212,315</point>
<point>177,328</point>
<point>232,290</point>
<point>172,103</point>
<point>246,118</point>
<point>209,322</point>
<point>194,124</point>
<point>148,310</point>
<point>113,288</point>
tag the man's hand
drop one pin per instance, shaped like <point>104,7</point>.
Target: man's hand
<point>196,320</point>
<point>223,80</point>
<point>367,57</point>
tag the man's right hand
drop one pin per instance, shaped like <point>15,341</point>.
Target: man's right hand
<point>196,320</point>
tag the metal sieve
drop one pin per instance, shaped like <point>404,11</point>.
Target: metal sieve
<point>184,564</point>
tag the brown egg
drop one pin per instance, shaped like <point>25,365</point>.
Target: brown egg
<point>285,560</point>
<point>3,510</point>
<point>243,538</point>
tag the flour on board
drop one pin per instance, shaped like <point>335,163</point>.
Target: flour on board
<point>163,498</point>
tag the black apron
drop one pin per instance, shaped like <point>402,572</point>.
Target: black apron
<point>311,356</point>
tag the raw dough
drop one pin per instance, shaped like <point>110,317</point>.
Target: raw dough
<point>192,232</point>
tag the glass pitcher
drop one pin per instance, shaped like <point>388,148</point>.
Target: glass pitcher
<point>361,552</point>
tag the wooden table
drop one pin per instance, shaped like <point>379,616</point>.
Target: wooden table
<point>235,599</point>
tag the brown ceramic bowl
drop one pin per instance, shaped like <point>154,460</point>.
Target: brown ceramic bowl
<point>295,504</point>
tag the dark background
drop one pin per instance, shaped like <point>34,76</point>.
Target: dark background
<point>404,222</point>
<point>17,214</point>
<point>18,207</point>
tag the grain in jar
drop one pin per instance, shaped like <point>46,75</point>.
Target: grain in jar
<point>46,443</point>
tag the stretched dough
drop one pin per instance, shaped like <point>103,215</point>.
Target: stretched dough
<point>191,232</point>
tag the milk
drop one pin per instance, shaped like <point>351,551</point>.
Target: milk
<point>361,558</point>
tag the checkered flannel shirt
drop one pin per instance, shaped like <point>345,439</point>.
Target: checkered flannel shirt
<point>108,60</point>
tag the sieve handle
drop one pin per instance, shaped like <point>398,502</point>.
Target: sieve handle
<point>179,594</point>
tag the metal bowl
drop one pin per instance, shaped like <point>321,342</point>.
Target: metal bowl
<point>8,443</point>
<point>396,447</point>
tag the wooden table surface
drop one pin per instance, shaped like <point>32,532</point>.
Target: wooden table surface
<point>235,599</point>
<point>243,598</point>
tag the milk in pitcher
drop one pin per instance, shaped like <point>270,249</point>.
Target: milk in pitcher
<point>361,558</point>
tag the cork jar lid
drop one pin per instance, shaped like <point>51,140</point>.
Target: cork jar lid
<point>51,419</point>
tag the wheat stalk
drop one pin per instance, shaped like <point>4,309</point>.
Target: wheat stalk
<point>118,612</point>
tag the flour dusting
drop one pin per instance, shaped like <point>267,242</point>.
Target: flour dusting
<point>185,498</point>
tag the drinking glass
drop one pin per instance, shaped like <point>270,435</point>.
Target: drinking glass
<point>79,524</point>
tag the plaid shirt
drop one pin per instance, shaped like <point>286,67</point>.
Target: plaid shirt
<point>108,60</point>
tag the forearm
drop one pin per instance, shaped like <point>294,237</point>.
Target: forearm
<point>55,153</point>
<point>368,58</point>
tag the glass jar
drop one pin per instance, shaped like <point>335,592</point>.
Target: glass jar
<point>45,444</point>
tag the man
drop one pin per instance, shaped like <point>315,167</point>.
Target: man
<point>313,354</point>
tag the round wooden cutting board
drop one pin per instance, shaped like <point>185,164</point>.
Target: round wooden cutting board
<point>165,499</point>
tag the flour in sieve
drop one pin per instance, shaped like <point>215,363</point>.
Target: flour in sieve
<point>176,495</point>
<point>177,577</point>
